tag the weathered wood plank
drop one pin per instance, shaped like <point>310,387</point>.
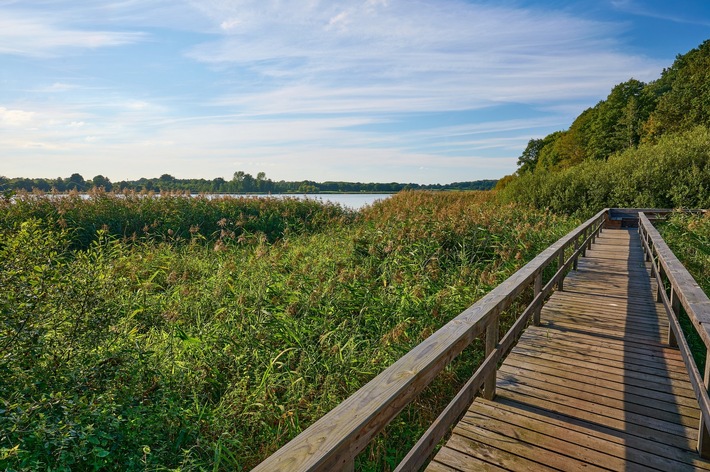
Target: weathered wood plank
<point>624,402</point>
<point>575,447</point>
<point>609,434</point>
<point>611,388</point>
<point>612,442</point>
<point>523,453</point>
<point>677,389</point>
<point>631,353</point>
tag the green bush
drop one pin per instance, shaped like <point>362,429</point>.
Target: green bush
<point>672,173</point>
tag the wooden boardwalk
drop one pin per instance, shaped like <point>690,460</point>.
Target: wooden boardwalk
<point>594,387</point>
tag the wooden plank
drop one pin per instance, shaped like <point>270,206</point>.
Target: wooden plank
<point>528,397</point>
<point>613,442</point>
<point>618,392</point>
<point>608,360</point>
<point>677,389</point>
<point>656,351</point>
<point>594,429</point>
<point>593,346</point>
<point>566,324</point>
<point>515,455</point>
<point>600,369</point>
<point>559,376</point>
<point>687,417</point>
<point>439,467</point>
<point>552,439</point>
<point>483,452</point>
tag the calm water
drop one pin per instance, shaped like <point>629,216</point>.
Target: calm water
<point>354,201</point>
<point>349,200</point>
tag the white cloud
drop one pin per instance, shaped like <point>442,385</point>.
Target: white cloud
<point>391,57</point>
<point>230,24</point>
<point>15,117</point>
<point>37,35</point>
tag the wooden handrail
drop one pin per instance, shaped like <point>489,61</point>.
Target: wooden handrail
<point>333,442</point>
<point>685,292</point>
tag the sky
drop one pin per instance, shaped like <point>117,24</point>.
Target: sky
<point>435,91</point>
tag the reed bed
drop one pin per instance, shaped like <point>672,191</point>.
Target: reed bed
<point>123,349</point>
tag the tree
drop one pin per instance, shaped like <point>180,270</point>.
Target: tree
<point>76,182</point>
<point>217,184</point>
<point>260,177</point>
<point>685,99</point>
<point>528,160</point>
<point>248,183</point>
<point>101,181</point>
<point>617,121</point>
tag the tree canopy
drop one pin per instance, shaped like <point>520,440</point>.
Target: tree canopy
<point>633,112</point>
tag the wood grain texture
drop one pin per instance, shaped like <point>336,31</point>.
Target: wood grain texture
<point>595,386</point>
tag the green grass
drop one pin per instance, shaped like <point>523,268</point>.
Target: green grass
<point>133,350</point>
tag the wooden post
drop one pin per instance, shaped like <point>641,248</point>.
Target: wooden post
<point>589,244</point>
<point>576,257</point>
<point>489,385</point>
<point>648,253</point>
<point>660,288</point>
<point>675,305</point>
<point>703,434</point>
<point>536,290</point>
<point>560,264</point>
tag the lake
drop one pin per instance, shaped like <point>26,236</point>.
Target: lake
<point>354,201</point>
<point>349,200</point>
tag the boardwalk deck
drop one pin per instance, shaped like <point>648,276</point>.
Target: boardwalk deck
<point>594,387</point>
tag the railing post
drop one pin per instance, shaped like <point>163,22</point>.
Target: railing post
<point>660,288</point>
<point>584,241</point>
<point>576,257</point>
<point>703,434</point>
<point>560,264</point>
<point>489,385</point>
<point>589,243</point>
<point>536,291</point>
<point>675,305</point>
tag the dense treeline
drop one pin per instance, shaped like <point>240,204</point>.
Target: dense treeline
<point>241,182</point>
<point>645,145</point>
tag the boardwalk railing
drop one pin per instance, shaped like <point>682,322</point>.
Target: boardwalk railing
<point>676,289</point>
<point>333,442</point>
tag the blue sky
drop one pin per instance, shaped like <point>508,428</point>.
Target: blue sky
<point>360,90</point>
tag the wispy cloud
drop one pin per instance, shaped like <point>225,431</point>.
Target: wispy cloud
<point>679,15</point>
<point>398,56</point>
<point>35,35</point>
